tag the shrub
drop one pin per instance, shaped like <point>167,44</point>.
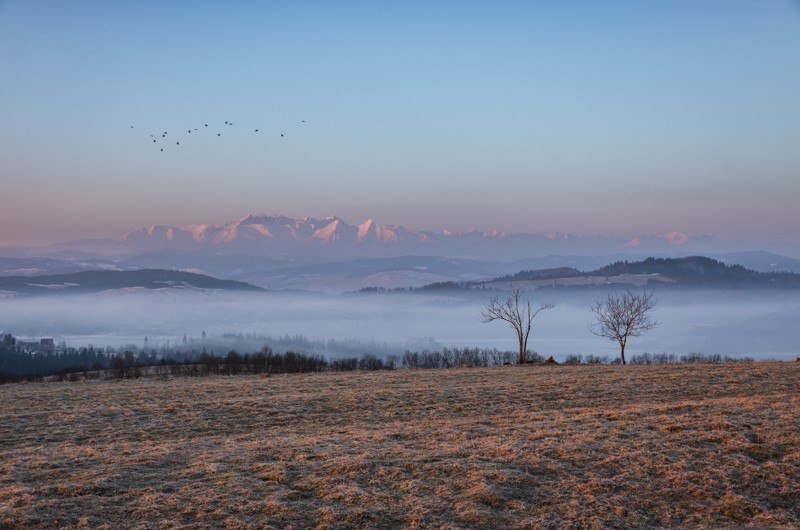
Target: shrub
<point>124,366</point>
<point>595,359</point>
<point>345,364</point>
<point>369,361</point>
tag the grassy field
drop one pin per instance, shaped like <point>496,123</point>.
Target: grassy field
<point>510,447</point>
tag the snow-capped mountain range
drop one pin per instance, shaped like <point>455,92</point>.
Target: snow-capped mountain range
<point>274,231</point>
<point>279,252</point>
<point>334,238</point>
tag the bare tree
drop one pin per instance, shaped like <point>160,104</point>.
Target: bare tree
<point>517,312</point>
<point>620,316</point>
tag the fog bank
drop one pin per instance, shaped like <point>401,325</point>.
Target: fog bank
<point>760,324</point>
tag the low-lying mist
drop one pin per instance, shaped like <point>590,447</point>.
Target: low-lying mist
<point>759,324</point>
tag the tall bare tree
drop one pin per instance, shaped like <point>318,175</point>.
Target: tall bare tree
<point>623,315</point>
<point>517,312</point>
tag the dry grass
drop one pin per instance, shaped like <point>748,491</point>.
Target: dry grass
<point>511,447</point>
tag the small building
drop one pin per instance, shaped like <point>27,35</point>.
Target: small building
<point>44,346</point>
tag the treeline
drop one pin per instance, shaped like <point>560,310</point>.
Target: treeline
<point>462,358</point>
<point>267,362</point>
<point>434,359</point>
<point>656,358</point>
<point>18,364</point>
<point>264,361</point>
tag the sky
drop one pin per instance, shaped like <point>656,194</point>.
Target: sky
<point>590,118</point>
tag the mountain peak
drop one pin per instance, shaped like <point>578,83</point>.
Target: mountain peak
<point>365,229</point>
<point>372,232</point>
<point>675,238</point>
<point>151,231</point>
<point>334,231</point>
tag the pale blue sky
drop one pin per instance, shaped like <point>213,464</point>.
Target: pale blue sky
<point>613,118</point>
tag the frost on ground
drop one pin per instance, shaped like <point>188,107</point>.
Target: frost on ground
<point>511,447</point>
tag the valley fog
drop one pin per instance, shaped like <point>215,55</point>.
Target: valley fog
<point>758,324</point>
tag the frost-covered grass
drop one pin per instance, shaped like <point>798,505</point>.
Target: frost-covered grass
<point>511,447</point>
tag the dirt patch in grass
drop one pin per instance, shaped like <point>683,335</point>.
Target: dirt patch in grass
<point>510,447</point>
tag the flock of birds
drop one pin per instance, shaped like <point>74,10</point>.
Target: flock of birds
<point>161,139</point>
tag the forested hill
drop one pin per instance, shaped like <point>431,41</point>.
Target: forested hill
<point>96,281</point>
<point>696,270</point>
<point>693,271</point>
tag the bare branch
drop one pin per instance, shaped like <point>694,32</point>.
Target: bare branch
<point>625,315</point>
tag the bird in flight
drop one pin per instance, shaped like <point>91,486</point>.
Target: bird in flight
<point>189,131</point>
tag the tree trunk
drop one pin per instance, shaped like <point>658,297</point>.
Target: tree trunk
<point>622,352</point>
<point>521,351</point>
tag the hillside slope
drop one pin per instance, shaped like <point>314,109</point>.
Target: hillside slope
<point>514,447</point>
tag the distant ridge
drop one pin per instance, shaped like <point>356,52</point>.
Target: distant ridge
<point>98,281</point>
<point>695,270</point>
<point>691,271</point>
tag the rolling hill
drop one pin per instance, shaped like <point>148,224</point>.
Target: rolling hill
<point>692,271</point>
<point>98,281</point>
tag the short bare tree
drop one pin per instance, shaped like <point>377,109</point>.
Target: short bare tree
<point>517,312</point>
<point>623,315</point>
